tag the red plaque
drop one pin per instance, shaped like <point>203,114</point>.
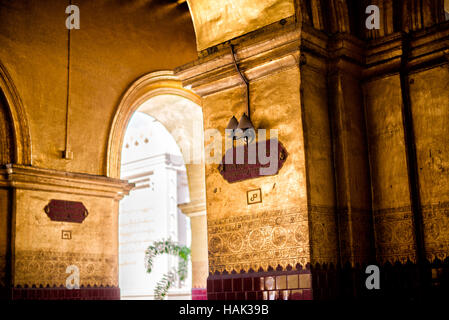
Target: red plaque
<point>253,161</point>
<point>66,211</point>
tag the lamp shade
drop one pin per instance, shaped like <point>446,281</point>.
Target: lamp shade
<point>245,123</point>
<point>233,124</point>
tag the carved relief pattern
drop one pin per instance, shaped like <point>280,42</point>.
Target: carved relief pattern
<point>394,234</point>
<point>323,237</point>
<point>355,235</point>
<point>268,239</point>
<point>436,231</point>
<point>49,268</point>
<point>260,240</point>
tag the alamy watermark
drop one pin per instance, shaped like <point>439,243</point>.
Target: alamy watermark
<point>373,20</point>
<point>249,148</point>
<point>73,280</point>
<point>373,280</point>
<point>73,20</point>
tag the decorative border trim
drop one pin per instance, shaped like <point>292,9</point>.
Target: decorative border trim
<point>32,178</point>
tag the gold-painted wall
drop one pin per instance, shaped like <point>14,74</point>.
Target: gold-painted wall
<point>350,165</point>
<point>218,21</point>
<point>393,219</point>
<point>333,172</point>
<point>40,254</point>
<point>319,162</point>
<point>118,41</point>
<point>429,94</point>
<point>243,236</point>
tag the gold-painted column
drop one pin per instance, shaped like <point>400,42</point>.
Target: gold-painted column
<point>319,158</point>
<point>273,233</point>
<point>352,172</point>
<point>196,211</point>
<point>198,225</point>
<point>41,249</point>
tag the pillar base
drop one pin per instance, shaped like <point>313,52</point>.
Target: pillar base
<point>61,293</point>
<point>275,285</point>
<point>199,294</point>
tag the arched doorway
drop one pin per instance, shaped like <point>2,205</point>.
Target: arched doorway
<point>14,113</point>
<point>152,160</point>
<point>6,156</point>
<point>15,149</point>
<point>161,96</point>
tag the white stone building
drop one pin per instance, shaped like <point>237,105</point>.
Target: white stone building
<point>151,160</point>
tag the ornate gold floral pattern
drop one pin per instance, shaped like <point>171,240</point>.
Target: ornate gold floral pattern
<point>49,268</point>
<point>281,237</point>
<point>355,233</point>
<point>259,240</point>
<point>323,238</point>
<point>436,230</point>
<point>394,233</point>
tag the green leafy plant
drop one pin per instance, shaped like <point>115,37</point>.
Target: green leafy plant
<point>167,246</point>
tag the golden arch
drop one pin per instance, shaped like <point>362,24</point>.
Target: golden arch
<point>21,131</point>
<point>146,87</point>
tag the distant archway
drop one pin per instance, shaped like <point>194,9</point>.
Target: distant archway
<point>146,87</point>
<point>152,160</point>
<point>161,96</point>
<point>14,148</point>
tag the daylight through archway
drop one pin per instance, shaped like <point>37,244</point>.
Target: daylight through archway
<point>162,156</point>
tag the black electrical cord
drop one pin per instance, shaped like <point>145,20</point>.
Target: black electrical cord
<point>244,80</point>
